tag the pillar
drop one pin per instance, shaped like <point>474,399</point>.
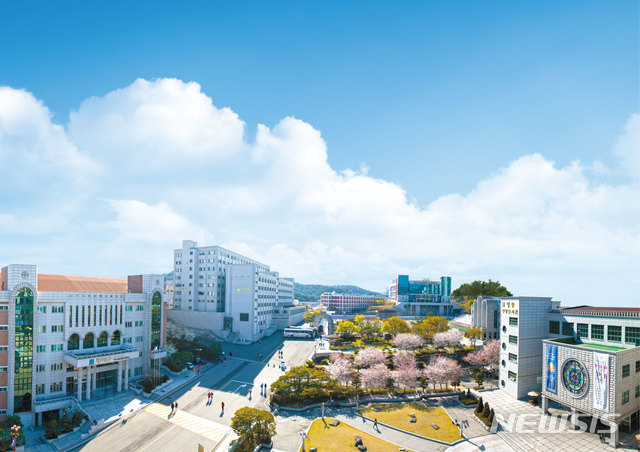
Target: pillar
<point>574,418</point>
<point>80,384</point>
<point>544,405</point>
<point>614,438</point>
<point>119,385</point>
<point>38,418</point>
<point>94,379</point>
<point>126,375</point>
<point>88,383</point>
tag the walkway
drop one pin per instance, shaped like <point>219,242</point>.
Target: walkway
<point>208,429</point>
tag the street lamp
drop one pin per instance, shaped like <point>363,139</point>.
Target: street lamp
<point>15,432</point>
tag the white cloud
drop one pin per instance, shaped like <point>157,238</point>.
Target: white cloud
<point>627,147</point>
<point>539,228</point>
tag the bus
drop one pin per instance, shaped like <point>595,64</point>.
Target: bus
<point>303,333</point>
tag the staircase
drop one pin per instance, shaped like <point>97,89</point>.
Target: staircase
<point>507,437</point>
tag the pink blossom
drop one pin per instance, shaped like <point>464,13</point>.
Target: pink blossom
<point>375,376</point>
<point>489,354</point>
<point>442,370</point>
<point>404,359</point>
<point>406,376</point>
<point>340,368</point>
<point>370,356</point>
<point>451,338</point>
<point>407,340</point>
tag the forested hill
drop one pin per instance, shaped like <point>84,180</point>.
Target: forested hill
<point>312,292</point>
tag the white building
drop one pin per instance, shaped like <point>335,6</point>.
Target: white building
<point>485,314</point>
<point>65,339</point>
<point>347,303</point>
<point>226,293</point>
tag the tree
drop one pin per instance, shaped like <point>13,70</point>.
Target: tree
<point>479,288</point>
<point>5,432</point>
<point>370,356</point>
<point>303,384</point>
<point>430,326</point>
<point>375,376</point>
<point>346,329</point>
<point>310,316</point>
<point>341,368</point>
<point>473,334</point>
<point>479,378</point>
<point>404,359</point>
<point>451,338</point>
<point>65,424</point>
<point>52,429</point>
<point>370,329</point>
<point>407,340</point>
<point>407,376</point>
<point>442,370</point>
<point>487,355</point>
<point>479,407</point>
<point>253,426</point>
<point>394,326</point>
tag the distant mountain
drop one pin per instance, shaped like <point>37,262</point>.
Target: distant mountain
<point>312,292</point>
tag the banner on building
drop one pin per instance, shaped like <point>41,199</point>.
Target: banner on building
<point>552,369</point>
<point>601,381</point>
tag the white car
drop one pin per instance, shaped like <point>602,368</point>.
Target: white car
<point>189,366</point>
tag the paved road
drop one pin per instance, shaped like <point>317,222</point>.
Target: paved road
<point>236,383</point>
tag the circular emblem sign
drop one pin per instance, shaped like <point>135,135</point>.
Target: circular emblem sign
<point>575,377</point>
<point>24,275</point>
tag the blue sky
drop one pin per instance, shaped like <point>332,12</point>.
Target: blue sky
<point>433,98</point>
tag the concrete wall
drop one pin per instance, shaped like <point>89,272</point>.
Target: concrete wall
<point>211,321</point>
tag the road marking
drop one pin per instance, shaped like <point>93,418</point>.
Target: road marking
<point>201,426</point>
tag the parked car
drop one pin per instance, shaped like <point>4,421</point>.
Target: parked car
<point>189,366</point>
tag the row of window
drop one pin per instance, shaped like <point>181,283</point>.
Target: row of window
<point>53,387</point>
<point>614,332</point>
<point>625,395</point>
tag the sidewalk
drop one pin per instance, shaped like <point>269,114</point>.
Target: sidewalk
<point>123,404</point>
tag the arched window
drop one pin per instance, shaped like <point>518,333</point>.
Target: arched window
<point>23,350</point>
<point>88,341</point>
<point>156,321</point>
<point>115,338</point>
<point>74,342</point>
<point>102,339</point>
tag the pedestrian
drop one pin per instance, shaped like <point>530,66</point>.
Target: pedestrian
<point>222,404</point>
<point>230,355</point>
<point>172,407</point>
<point>176,406</point>
<point>375,423</point>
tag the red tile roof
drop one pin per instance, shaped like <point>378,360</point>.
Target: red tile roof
<point>67,283</point>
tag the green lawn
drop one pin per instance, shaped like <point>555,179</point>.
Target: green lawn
<point>398,415</point>
<point>459,327</point>
<point>609,348</point>
<point>342,438</point>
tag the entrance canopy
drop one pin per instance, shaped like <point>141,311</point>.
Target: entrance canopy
<point>121,353</point>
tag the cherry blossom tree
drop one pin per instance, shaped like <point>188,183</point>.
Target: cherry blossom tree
<point>341,368</point>
<point>375,376</point>
<point>370,356</point>
<point>442,370</point>
<point>451,338</point>
<point>487,355</point>
<point>407,376</point>
<point>406,341</point>
<point>404,359</point>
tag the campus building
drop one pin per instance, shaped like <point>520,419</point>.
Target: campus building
<point>226,293</point>
<point>423,297</point>
<point>485,314</point>
<point>345,303</point>
<point>64,339</point>
<point>584,358</point>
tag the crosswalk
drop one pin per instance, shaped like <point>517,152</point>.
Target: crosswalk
<point>204,427</point>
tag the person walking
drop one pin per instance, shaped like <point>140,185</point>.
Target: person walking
<point>375,423</point>
<point>176,405</point>
<point>172,408</point>
<point>222,405</point>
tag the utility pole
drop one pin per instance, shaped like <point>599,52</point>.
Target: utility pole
<point>198,350</point>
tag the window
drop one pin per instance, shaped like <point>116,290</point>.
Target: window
<point>637,366</point>
<point>42,309</point>
<point>39,389</point>
<point>614,333</point>
<point>4,327</point>
<point>513,376</point>
<point>128,308</point>
<point>127,324</point>
<point>82,315</point>
<point>139,338</point>
<point>42,328</point>
<point>115,338</point>
<point>513,357</point>
<point>55,387</point>
<point>4,348</point>
<point>39,367</point>
<point>567,329</point>
<point>126,340</point>
<point>56,347</point>
<point>513,321</point>
<point>102,339</point>
<point>57,309</point>
<point>4,369</point>
<point>138,323</point>
<point>632,335</point>
<point>4,307</point>
<point>626,370</point>
<point>57,328</point>
<point>625,397</point>
<point>41,348</point>
<point>513,339</point>
<point>56,366</point>
<point>244,317</point>
<point>597,332</point>
<point>637,391</point>
<point>140,307</point>
<point>582,330</point>
<point>554,327</point>
<point>137,371</point>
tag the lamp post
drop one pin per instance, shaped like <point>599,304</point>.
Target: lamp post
<point>15,432</point>
<point>198,350</point>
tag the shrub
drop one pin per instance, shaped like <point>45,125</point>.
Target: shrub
<point>324,361</point>
<point>486,411</point>
<point>490,418</point>
<point>467,399</point>
<point>52,429</point>
<point>479,407</point>
<point>5,432</point>
<point>310,364</point>
<point>165,378</point>
<point>76,419</point>
<point>66,425</point>
<point>148,384</point>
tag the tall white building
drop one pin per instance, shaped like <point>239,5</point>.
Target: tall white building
<point>237,294</point>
